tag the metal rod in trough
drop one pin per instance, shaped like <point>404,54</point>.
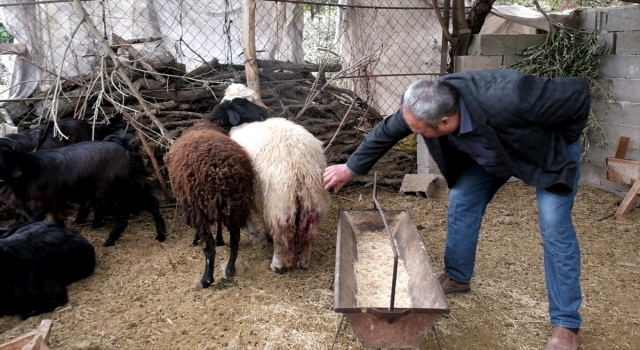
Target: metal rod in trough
<point>393,245</point>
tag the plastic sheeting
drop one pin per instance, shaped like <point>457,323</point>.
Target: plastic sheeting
<point>192,30</point>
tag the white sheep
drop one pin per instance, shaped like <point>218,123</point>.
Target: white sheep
<point>289,194</point>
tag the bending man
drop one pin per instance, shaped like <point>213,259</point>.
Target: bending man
<point>481,128</point>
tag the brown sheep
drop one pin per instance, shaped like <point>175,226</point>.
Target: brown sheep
<point>212,178</point>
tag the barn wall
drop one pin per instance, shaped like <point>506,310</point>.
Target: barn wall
<point>620,29</point>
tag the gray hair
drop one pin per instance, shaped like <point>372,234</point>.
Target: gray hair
<point>430,100</point>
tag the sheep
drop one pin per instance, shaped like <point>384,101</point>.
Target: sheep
<point>289,193</point>
<point>39,260</point>
<point>212,178</point>
<point>88,173</point>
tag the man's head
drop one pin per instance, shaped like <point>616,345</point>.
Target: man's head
<point>431,107</point>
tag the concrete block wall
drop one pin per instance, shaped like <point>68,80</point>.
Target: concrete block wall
<point>619,115</point>
<point>619,29</point>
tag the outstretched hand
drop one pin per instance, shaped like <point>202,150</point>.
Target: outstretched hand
<point>336,176</point>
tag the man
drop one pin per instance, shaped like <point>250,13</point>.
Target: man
<point>481,128</point>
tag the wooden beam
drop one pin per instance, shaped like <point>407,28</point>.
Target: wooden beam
<point>630,199</point>
<point>623,145</point>
<point>624,171</point>
<point>13,49</point>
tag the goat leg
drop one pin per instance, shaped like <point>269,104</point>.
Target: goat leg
<point>153,207</point>
<point>122,223</point>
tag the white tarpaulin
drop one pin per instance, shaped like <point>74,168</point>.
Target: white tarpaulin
<point>194,31</point>
<point>399,42</point>
<point>516,19</point>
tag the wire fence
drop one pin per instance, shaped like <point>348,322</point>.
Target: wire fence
<point>374,48</point>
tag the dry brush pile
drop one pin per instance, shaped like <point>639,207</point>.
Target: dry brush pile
<point>159,98</point>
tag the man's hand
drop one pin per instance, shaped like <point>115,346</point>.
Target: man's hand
<point>336,176</point>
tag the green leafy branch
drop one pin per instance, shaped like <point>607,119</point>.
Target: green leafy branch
<point>569,52</point>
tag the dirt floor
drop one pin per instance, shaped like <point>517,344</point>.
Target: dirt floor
<point>145,294</point>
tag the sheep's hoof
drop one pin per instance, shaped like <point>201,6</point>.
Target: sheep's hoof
<point>160,238</point>
<point>109,242</point>
<point>278,270</point>
<point>205,283</point>
<point>230,271</point>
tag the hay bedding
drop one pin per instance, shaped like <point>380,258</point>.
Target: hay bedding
<point>145,294</point>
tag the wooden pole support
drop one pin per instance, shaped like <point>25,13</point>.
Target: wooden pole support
<point>249,43</point>
<point>630,199</point>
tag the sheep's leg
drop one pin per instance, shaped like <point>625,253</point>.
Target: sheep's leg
<point>235,243</point>
<point>98,215</point>
<point>277,262</point>
<point>257,241</point>
<point>219,239</point>
<point>305,255</point>
<point>209,250</point>
<point>116,232</point>
<point>83,213</point>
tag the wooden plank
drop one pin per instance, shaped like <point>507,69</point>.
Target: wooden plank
<point>13,49</point>
<point>621,149</point>
<point>630,199</point>
<point>623,171</point>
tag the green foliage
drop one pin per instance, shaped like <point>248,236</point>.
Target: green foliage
<point>569,53</point>
<point>5,37</point>
<point>319,36</point>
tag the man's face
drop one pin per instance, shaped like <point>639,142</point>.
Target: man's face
<point>447,125</point>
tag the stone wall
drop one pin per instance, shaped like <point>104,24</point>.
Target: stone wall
<point>620,70</point>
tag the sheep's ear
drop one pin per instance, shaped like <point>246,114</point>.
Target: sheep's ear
<point>234,117</point>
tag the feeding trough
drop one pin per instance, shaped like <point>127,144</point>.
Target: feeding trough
<point>384,282</point>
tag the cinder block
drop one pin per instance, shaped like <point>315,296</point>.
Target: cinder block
<point>609,40</point>
<point>620,66</point>
<point>509,59</point>
<point>614,66</point>
<point>493,44</point>
<point>628,42</point>
<point>634,67</point>
<point>631,113</point>
<point>524,41</point>
<point>589,19</point>
<point>426,185</point>
<point>615,19</point>
<point>624,89</point>
<point>468,63</point>
<point>426,164</point>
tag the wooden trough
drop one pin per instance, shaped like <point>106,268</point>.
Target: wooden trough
<point>397,321</point>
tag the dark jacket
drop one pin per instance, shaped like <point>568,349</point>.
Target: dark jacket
<point>528,120</point>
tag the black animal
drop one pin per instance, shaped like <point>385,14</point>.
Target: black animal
<point>92,174</point>
<point>38,260</point>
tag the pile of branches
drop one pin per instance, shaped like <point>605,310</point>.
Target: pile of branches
<point>159,99</point>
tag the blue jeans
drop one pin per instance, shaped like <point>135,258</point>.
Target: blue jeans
<point>468,199</point>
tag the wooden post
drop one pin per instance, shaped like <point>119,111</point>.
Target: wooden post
<point>249,44</point>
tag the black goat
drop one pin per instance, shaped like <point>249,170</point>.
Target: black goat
<point>88,173</point>
<point>39,259</point>
<point>76,130</point>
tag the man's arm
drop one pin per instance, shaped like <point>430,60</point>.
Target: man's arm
<point>380,140</point>
<point>375,145</point>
